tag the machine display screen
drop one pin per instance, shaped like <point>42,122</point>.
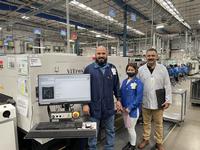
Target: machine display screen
<point>1,43</point>
<point>37,31</point>
<point>63,88</point>
<point>11,43</point>
<point>63,33</point>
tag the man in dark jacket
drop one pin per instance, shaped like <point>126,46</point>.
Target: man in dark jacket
<point>104,82</point>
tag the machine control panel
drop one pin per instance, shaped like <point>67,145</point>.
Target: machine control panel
<point>65,115</point>
<point>61,115</point>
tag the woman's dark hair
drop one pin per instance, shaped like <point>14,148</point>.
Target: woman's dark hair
<point>134,65</point>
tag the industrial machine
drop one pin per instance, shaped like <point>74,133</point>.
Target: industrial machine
<point>194,89</point>
<point>139,60</point>
<point>8,127</point>
<point>194,67</point>
<point>19,79</point>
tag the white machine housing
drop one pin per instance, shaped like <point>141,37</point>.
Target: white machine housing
<point>8,127</point>
<point>18,79</point>
<point>194,64</point>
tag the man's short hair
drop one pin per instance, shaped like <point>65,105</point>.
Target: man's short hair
<point>152,49</point>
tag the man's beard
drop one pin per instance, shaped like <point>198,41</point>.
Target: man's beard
<point>101,61</point>
<point>151,62</point>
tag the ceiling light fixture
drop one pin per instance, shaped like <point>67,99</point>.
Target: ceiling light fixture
<point>199,21</point>
<point>98,36</point>
<point>161,26</point>
<point>25,17</point>
<point>0,28</point>
<point>169,6</point>
<point>81,6</point>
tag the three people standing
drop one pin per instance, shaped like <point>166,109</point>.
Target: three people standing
<point>134,91</point>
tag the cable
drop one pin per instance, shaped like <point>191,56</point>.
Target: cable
<point>49,112</point>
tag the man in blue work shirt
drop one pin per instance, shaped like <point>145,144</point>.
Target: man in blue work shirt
<point>104,82</point>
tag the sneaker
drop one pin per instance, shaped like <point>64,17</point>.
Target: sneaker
<point>132,147</point>
<point>126,147</point>
<point>143,144</point>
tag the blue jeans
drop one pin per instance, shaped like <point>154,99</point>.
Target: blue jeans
<point>110,134</point>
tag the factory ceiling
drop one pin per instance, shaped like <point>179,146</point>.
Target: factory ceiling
<point>92,17</point>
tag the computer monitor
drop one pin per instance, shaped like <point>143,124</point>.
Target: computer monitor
<point>1,43</point>
<point>57,89</point>
<point>5,42</point>
<point>37,31</point>
<point>10,43</point>
<point>63,32</point>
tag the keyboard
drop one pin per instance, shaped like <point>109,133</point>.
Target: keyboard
<point>58,125</point>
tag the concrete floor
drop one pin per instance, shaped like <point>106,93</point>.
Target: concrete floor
<point>187,136</point>
<point>122,137</point>
<point>183,137</point>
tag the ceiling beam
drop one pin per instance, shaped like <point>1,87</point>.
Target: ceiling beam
<point>129,8</point>
<point>10,7</point>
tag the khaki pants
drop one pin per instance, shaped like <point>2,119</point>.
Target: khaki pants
<point>157,116</point>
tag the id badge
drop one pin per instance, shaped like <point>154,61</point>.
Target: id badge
<point>114,72</point>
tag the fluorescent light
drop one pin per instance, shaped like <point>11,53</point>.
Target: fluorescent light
<point>199,21</point>
<point>25,17</point>
<point>98,35</point>
<point>0,28</point>
<point>160,26</point>
<point>42,47</point>
<point>81,28</point>
<point>66,24</point>
<point>168,6</point>
<point>81,6</point>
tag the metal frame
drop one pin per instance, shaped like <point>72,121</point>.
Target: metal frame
<point>181,116</point>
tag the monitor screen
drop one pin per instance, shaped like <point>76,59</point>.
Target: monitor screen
<point>29,45</point>
<point>11,43</point>
<point>5,43</point>
<point>63,32</point>
<point>1,43</point>
<point>64,88</point>
<point>37,31</point>
<point>9,38</point>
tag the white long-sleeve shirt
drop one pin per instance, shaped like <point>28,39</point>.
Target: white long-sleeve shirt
<point>159,79</point>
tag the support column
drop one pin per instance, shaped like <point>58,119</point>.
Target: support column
<point>76,44</point>
<point>168,44</point>
<point>68,26</point>
<point>186,41</point>
<point>190,45</point>
<point>125,32</point>
<point>152,28</point>
<point>118,48</point>
<point>195,46</point>
<point>154,41</point>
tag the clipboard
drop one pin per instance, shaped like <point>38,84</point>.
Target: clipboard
<point>160,95</point>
